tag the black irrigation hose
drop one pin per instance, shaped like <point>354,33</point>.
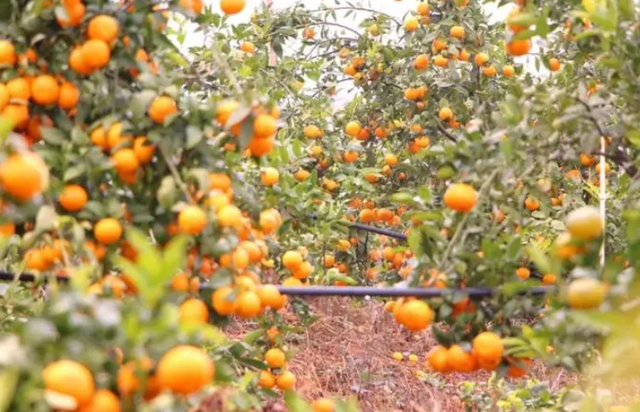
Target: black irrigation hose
<point>379,231</point>
<point>28,277</point>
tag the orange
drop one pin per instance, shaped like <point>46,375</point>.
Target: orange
<point>286,380</point>
<point>248,305</point>
<point>161,108</point>
<point>445,113</point>
<point>489,71</point>
<point>488,349</point>
<point>73,198</point>
<point>45,90</point>
<point>554,64</point>
<point>464,55</point>
<point>323,405</point>
<point>352,129</point>
<point>269,176</point>
<point>309,33</point>
<point>421,62</point>
<point>185,370</point>
<point>17,114</point>
<point>19,88</point>
<point>4,96</point>
<point>523,273</point>
<point>585,223</point>
<point>70,378</point>
<point>266,380</point>
<point>531,204</point>
<point>75,13</point>
<point>586,160</point>
<point>224,111</point>
<point>125,161</point>
<point>96,54</point>
<point>192,220</point>
<point>248,47</point>
<point>518,47</point>
<point>303,271</point>
<point>312,132</point>
<point>441,61</point>
<point>107,231</point>
<point>415,315</point>
<point>232,6</point>
<point>7,53</point>
<point>518,367</point>
<point>437,358</point>
<point>77,62</point>
<point>508,71</point>
<point>223,302</point>
<point>460,197</point>
<point>193,311</point>
<point>548,279</point>
<point>481,58</point>
<point>264,126</point>
<point>271,297</point>
<point>103,27</point>
<point>34,260</point>
<point>260,147</point>
<point>291,260</point>
<point>366,215</point>
<point>516,28</point>
<point>69,96</point>
<point>423,9</point>
<point>586,293</point>
<point>350,156</point>
<point>460,360</point>
<point>128,380</point>
<point>411,24</point>
<point>143,151</point>
<point>301,175</point>
<point>275,358</point>
<point>23,176</point>
<point>219,181</point>
<point>103,401</point>
<point>457,32</point>
<point>99,137</point>
<point>230,216</point>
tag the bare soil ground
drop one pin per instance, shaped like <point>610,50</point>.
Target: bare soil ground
<point>348,352</point>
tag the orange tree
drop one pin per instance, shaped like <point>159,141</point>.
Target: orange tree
<point>119,172</point>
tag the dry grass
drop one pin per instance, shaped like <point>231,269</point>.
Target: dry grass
<point>348,352</point>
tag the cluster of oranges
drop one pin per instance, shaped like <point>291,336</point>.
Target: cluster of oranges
<point>516,47</point>
<point>486,352</point>
<point>277,375</point>
<point>300,268</point>
<point>183,370</point>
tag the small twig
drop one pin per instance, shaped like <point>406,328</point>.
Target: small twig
<point>359,9</point>
<point>176,175</point>
<point>444,131</point>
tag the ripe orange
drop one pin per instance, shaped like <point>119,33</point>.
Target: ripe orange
<point>554,64</point>
<point>248,47</point>
<point>4,96</point>
<point>224,111</point>
<point>232,6</point>
<point>548,279</point>
<point>586,160</point>
<point>516,28</point>
<point>230,216</point>
<point>77,62</point>
<point>531,204</point>
<point>193,311</point>
<point>301,175</point>
<point>70,378</point>
<point>323,405</point>
<point>352,128</point>
<point>309,33</point>
<point>411,24</point>
<point>586,293</point>
<point>7,53</point>
<point>441,61</point>
<point>421,62</point>
<point>45,90</point>
<point>19,88</point>
<point>423,9</point>
<point>518,367</point>
<point>508,71</point>
<point>271,297</point>
<point>192,220</point>
<point>460,197</point>
<point>523,273</point>
<point>143,151</point>
<point>292,260</point>
<point>488,349</point>
<point>24,175</point>
<point>103,27</point>
<point>125,161</point>
<point>489,71</point>
<point>445,113</point>
<point>415,315</point>
<point>464,55</point>
<point>437,358</point>
<point>185,370</point>
<point>460,360</point>
<point>95,54</point>
<point>103,401</point>
<point>75,13</point>
<point>266,380</point>
<point>275,358</point>
<point>260,147</point>
<point>223,301</point>
<point>481,58</point>
<point>73,198</point>
<point>269,176</point>
<point>264,126</point>
<point>69,96</point>
<point>248,305</point>
<point>457,32</point>
<point>161,108</point>
<point>585,223</point>
<point>518,47</point>
<point>286,380</point>
<point>107,231</point>
<point>350,156</point>
<point>312,132</point>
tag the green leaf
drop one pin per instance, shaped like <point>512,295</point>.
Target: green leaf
<point>295,403</point>
<point>194,136</point>
<point>79,137</point>
<point>140,101</point>
<point>46,219</point>
<point>74,172</point>
<point>53,136</point>
<point>539,258</point>
<point>8,382</point>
